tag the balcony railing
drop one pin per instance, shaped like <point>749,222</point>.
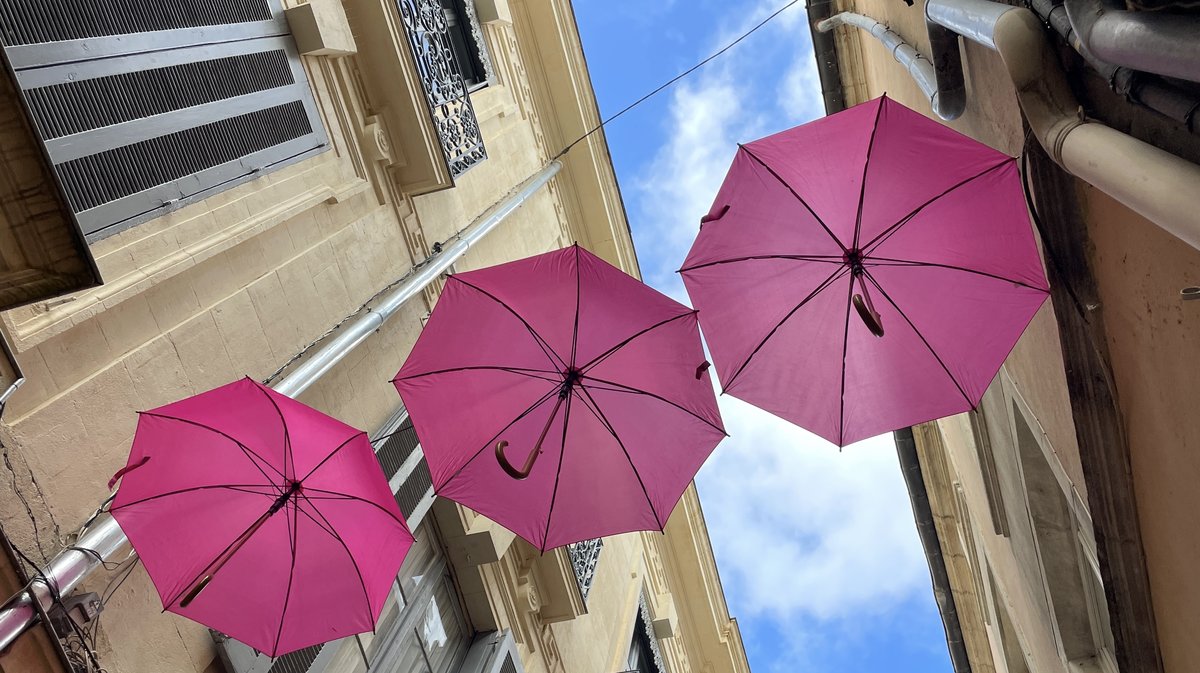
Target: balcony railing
<point>584,557</point>
<point>445,89</point>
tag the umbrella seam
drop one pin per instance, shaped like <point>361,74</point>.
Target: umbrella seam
<point>247,451</point>
<point>922,338</point>
<point>287,440</point>
<point>346,496</point>
<point>914,263</point>
<point>821,287</point>
<point>545,345</point>
<point>545,398</point>
<point>795,194</point>
<point>845,349</point>
<point>341,446</point>
<point>191,489</point>
<point>512,370</point>
<point>578,292</point>
<point>835,259</point>
<point>636,472</point>
<point>562,454</point>
<point>862,194</point>
<point>596,361</point>
<point>884,235</point>
<point>638,391</point>
<point>353,561</point>
<point>287,596</point>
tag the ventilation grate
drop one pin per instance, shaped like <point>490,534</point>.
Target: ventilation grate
<point>74,107</point>
<point>39,21</point>
<point>296,662</point>
<point>133,168</point>
<point>397,448</point>
<point>409,495</point>
<point>508,666</point>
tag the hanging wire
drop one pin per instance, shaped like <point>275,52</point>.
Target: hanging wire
<point>678,77</point>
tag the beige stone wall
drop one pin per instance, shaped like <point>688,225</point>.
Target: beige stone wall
<point>237,284</point>
<point>1151,339</point>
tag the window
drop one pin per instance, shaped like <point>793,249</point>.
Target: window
<point>145,105</point>
<point>644,654</point>
<point>470,52</point>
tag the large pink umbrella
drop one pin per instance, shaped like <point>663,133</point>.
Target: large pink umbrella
<point>561,356</point>
<point>865,272</point>
<point>261,517</point>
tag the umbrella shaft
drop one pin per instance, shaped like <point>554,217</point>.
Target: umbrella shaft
<point>537,448</point>
<point>207,574</point>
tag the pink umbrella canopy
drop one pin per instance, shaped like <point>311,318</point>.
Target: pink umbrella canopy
<point>565,355</point>
<point>262,518</point>
<point>865,272</point>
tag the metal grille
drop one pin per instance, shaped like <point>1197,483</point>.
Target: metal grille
<point>414,488</point>
<point>296,662</point>
<point>508,666</point>
<point>397,449</point>
<point>584,558</point>
<point>39,21</point>
<point>446,92</point>
<point>133,168</point>
<point>74,107</point>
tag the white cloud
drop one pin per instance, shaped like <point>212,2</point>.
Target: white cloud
<point>801,531</point>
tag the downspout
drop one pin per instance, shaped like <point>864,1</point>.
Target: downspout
<point>1167,44</point>
<point>1157,185</point>
<point>1149,91</point>
<point>918,495</point>
<point>825,50</point>
<point>104,538</point>
<point>943,86</point>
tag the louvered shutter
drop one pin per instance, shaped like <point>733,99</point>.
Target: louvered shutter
<point>403,462</point>
<point>145,105</point>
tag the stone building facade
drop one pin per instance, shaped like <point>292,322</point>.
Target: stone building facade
<point>1062,505</point>
<point>410,118</point>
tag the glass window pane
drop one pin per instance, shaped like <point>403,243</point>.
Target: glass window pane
<point>423,556</point>
<point>443,630</point>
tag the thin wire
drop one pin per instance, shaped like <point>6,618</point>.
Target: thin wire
<point>678,77</point>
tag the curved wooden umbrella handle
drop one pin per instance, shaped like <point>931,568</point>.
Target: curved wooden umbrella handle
<point>869,317</point>
<point>522,473</point>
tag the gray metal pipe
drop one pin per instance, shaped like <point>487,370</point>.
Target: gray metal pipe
<point>104,538</point>
<point>946,103</point>
<point>1166,44</point>
<point>1157,185</point>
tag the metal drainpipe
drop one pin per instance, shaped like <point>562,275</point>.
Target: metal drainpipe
<point>105,538</point>
<point>1167,44</point>
<point>944,87</point>
<point>1157,185</point>
<point>918,495</point>
<point>825,50</point>
<point>1149,91</point>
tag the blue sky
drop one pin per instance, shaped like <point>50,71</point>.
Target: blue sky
<point>816,547</point>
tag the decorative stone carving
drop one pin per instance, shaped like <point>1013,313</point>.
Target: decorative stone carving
<point>374,141</point>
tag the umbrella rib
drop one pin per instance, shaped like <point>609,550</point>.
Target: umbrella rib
<point>249,453</point>
<point>554,358</point>
<point>287,596</point>
<point>923,340</point>
<point>337,495</point>
<point>241,488</point>
<point>328,528</point>
<point>835,259</point>
<point>545,398</point>
<point>862,194</point>
<point>845,348</point>
<point>798,197</point>
<point>874,261</point>
<point>603,356</point>
<point>578,292</point>
<point>833,278</point>
<point>874,243</point>
<point>622,388</point>
<point>287,440</point>
<point>557,475</point>
<point>333,453</point>
<point>612,431</point>
<point>522,371</point>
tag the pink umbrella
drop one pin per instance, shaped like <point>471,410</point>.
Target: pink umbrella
<point>879,212</point>
<point>565,355</point>
<point>261,517</point>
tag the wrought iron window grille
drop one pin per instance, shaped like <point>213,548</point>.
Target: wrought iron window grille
<point>431,35</point>
<point>584,558</point>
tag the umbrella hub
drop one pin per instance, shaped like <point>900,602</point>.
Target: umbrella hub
<point>853,258</point>
<point>293,487</point>
<point>571,379</point>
